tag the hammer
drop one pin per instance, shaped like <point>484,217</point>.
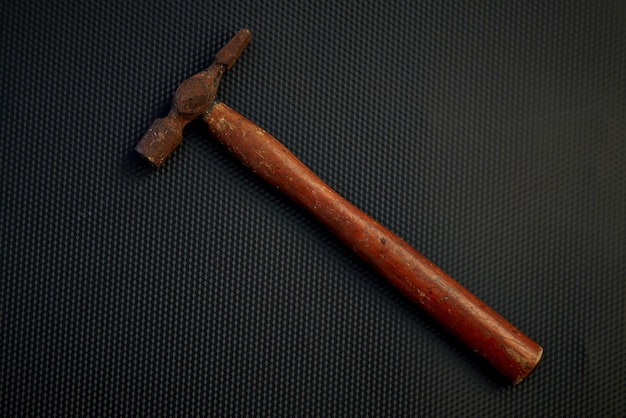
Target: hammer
<point>486,332</point>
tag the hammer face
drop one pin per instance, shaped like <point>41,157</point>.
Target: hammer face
<point>160,140</point>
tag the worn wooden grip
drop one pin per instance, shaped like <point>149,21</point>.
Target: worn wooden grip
<point>486,332</point>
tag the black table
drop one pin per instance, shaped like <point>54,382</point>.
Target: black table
<point>492,137</point>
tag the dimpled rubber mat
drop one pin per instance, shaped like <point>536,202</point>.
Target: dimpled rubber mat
<point>491,136</point>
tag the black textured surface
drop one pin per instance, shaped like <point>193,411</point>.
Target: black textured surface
<point>492,137</point>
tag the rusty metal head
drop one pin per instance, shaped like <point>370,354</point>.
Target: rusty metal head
<point>191,99</point>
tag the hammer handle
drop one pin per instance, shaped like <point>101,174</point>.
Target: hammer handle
<point>486,332</point>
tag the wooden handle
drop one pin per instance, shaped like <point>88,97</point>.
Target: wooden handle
<point>486,332</point>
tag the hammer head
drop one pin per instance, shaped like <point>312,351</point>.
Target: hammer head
<point>192,98</point>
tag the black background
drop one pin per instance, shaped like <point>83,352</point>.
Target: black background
<point>491,136</point>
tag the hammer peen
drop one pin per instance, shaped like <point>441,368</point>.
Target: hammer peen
<point>487,333</point>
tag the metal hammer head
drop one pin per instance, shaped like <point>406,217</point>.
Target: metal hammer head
<point>191,99</point>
